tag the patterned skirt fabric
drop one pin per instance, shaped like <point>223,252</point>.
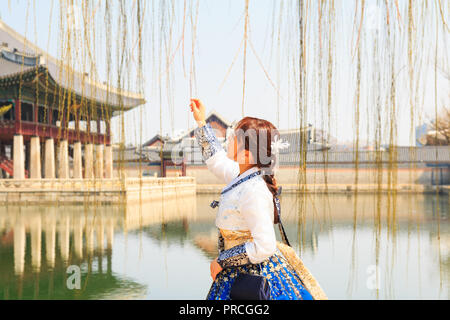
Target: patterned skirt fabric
<point>284,282</point>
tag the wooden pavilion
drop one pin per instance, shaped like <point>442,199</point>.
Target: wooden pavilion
<point>44,105</point>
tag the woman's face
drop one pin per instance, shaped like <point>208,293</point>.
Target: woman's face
<point>236,152</point>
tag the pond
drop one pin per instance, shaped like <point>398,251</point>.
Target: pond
<point>358,247</point>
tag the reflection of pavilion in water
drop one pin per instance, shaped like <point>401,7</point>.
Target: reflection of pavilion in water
<point>56,237</point>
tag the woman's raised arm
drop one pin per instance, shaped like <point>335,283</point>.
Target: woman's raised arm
<point>213,153</point>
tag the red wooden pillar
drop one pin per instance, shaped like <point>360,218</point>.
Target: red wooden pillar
<point>50,116</point>
<point>183,168</point>
<point>2,150</point>
<point>18,116</point>
<point>108,131</point>
<point>63,123</point>
<point>88,125</point>
<point>36,119</point>
<point>164,168</point>
<point>50,120</point>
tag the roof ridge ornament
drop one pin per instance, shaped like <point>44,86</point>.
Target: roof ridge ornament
<point>18,57</point>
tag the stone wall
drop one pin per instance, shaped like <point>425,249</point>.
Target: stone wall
<point>291,175</point>
<point>91,190</point>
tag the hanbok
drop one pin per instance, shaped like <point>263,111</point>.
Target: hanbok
<point>246,236</point>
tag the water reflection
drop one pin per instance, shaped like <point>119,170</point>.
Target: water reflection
<point>357,247</point>
<point>38,243</point>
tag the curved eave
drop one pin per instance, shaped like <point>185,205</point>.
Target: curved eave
<point>28,75</point>
<point>24,76</point>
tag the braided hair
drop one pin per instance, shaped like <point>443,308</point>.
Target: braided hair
<point>257,135</point>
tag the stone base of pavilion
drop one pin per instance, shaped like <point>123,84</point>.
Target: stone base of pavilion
<point>102,191</point>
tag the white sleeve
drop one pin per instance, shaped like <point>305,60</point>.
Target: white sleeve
<point>214,154</point>
<point>257,208</point>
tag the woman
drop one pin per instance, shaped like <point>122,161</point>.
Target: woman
<point>248,208</point>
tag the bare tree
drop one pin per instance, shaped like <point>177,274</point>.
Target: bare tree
<point>440,136</point>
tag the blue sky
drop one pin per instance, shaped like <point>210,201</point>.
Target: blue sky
<point>220,31</point>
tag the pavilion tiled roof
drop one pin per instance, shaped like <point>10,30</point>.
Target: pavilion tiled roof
<point>14,49</point>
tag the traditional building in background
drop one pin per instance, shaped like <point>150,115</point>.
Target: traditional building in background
<point>183,152</point>
<point>48,111</point>
<point>169,156</point>
<point>326,160</point>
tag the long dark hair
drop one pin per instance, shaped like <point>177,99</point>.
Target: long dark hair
<point>257,135</point>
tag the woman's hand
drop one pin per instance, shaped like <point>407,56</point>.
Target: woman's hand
<point>215,269</point>
<point>198,109</point>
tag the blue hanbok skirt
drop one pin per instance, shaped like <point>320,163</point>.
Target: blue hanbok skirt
<point>285,283</point>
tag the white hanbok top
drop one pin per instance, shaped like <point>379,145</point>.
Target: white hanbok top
<point>247,207</point>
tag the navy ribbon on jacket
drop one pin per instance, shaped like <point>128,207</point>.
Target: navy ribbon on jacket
<point>215,203</point>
